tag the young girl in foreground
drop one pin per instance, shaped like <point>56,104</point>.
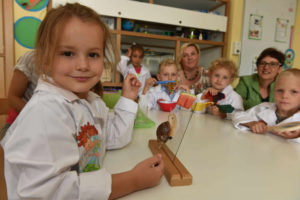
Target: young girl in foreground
<point>135,55</point>
<point>56,146</point>
<point>221,74</point>
<point>167,71</point>
<point>285,109</point>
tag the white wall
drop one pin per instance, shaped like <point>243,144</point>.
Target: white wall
<point>270,10</point>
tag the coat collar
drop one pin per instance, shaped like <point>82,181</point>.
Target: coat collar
<point>143,70</point>
<point>47,84</point>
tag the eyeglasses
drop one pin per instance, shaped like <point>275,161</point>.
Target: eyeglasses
<point>271,64</point>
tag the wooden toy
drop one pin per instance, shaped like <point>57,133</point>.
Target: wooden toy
<point>290,126</point>
<point>175,172</point>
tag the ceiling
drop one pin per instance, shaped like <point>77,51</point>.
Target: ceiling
<point>196,5</point>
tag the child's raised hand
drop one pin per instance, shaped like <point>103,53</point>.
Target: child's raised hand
<point>131,87</point>
<point>129,52</point>
<point>149,83</point>
<point>148,172</point>
<point>182,87</point>
<point>289,134</point>
<point>210,90</point>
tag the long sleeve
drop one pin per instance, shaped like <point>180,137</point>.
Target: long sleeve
<point>234,99</point>
<point>243,91</point>
<point>39,155</point>
<point>122,66</point>
<point>148,101</point>
<point>119,126</point>
<point>263,111</point>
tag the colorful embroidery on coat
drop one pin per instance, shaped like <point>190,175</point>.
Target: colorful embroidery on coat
<point>89,139</point>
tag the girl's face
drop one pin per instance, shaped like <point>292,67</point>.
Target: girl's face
<point>168,73</point>
<point>190,58</point>
<point>136,58</point>
<point>268,68</point>
<point>287,95</point>
<point>78,60</point>
<point>220,78</point>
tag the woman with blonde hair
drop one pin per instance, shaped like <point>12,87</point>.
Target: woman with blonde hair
<point>190,72</point>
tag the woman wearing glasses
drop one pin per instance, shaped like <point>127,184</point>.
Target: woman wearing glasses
<point>258,88</point>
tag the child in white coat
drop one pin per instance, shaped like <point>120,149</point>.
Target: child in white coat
<point>285,109</point>
<point>56,146</point>
<point>167,71</point>
<point>135,57</point>
<point>221,74</point>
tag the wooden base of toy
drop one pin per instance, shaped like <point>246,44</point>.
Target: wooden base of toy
<point>175,172</point>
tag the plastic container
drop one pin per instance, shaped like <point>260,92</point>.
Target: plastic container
<point>166,105</point>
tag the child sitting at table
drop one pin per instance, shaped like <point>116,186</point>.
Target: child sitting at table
<point>170,91</point>
<point>221,74</point>
<point>56,146</point>
<point>135,55</point>
<point>285,109</point>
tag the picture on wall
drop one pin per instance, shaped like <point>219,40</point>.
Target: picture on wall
<point>255,27</point>
<point>281,30</point>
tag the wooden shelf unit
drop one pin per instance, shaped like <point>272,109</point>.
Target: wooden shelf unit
<point>118,33</point>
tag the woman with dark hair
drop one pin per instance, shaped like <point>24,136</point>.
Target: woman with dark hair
<point>258,88</point>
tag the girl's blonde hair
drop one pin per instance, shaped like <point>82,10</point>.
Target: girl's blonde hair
<point>224,63</point>
<point>292,71</point>
<point>182,48</point>
<point>166,62</point>
<point>49,34</point>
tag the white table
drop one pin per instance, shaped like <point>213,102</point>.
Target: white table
<point>226,163</point>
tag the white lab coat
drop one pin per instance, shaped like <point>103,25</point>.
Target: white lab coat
<point>265,111</point>
<point>149,100</point>
<point>41,151</point>
<point>125,69</point>
<point>231,97</point>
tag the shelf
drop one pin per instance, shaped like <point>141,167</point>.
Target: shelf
<point>156,13</point>
<point>164,37</point>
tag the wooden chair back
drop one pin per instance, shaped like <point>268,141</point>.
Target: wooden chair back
<point>4,108</point>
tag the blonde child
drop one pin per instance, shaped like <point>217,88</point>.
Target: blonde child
<point>221,74</point>
<point>135,56</point>
<point>285,109</point>
<point>56,146</point>
<point>167,71</point>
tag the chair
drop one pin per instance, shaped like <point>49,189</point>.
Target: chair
<point>4,108</point>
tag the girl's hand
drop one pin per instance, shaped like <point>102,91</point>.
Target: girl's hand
<point>182,87</point>
<point>216,112</point>
<point>129,52</point>
<point>131,87</point>
<point>289,134</point>
<point>257,127</point>
<point>148,172</point>
<point>144,175</point>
